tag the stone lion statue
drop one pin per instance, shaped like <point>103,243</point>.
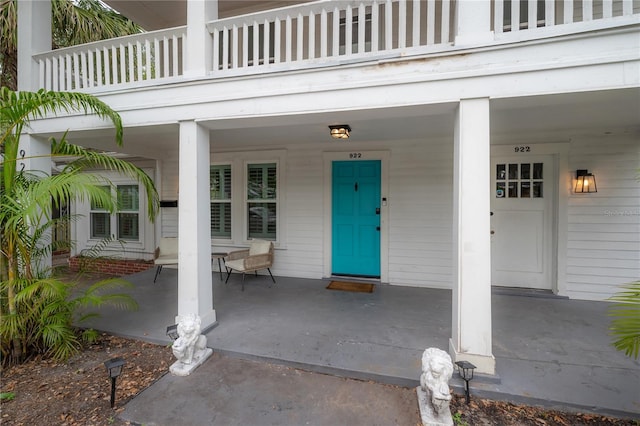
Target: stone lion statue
<point>437,370</point>
<point>190,342</point>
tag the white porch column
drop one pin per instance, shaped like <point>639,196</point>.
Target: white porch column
<point>198,60</point>
<point>34,36</point>
<point>473,22</point>
<point>471,323</point>
<point>194,227</point>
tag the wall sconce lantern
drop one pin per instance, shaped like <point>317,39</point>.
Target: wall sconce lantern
<point>585,182</point>
<point>114,367</point>
<point>172,331</point>
<point>340,131</point>
<point>465,369</point>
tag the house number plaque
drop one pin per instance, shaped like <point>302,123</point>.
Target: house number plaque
<point>22,155</point>
<point>524,148</point>
<point>355,155</point>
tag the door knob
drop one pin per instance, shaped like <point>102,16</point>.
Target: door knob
<point>493,232</point>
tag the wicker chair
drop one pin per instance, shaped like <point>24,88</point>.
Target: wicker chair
<point>166,254</point>
<point>258,256</point>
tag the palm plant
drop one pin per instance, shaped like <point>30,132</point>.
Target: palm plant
<point>37,312</point>
<point>73,22</point>
<point>625,326</point>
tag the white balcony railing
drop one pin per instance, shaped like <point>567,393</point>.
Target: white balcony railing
<point>151,56</point>
<point>321,33</point>
<point>327,31</point>
<point>548,13</point>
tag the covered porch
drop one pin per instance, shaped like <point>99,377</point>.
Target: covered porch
<point>549,350</point>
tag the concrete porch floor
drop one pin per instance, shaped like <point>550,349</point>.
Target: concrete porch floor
<point>549,351</point>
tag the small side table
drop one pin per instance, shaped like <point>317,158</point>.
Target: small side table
<point>220,256</point>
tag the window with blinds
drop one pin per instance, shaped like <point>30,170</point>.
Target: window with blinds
<point>126,220</point>
<point>128,216</point>
<point>220,186</point>
<point>99,219</point>
<point>261,201</point>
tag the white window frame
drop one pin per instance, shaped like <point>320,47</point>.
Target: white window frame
<point>114,217</point>
<point>247,200</point>
<point>239,162</point>
<point>228,201</point>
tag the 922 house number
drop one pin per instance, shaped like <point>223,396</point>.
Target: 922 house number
<point>355,155</point>
<point>522,148</point>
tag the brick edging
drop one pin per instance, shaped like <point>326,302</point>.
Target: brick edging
<point>108,266</point>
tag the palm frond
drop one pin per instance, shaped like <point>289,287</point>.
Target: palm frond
<point>625,326</point>
<point>19,108</point>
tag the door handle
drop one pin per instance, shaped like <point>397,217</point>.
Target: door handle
<point>377,228</point>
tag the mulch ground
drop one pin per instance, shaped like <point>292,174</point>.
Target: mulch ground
<point>78,392</point>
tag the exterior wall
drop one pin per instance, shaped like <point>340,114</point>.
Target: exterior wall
<point>420,208</point>
<point>603,247</point>
<point>168,190</point>
<point>603,236</point>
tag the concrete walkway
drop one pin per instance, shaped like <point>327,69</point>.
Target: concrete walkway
<point>230,391</point>
<point>549,351</point>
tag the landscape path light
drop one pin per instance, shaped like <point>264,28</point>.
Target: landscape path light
<point>114,367</point>
<point>172,331</point>
<point>465,369</point>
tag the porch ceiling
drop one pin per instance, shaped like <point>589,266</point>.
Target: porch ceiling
<point>541,118</point>
<point>156,15</point>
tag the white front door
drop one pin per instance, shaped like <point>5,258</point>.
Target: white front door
<point>522,221</point>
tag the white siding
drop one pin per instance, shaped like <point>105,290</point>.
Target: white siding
<point>603,247</point>
<point>303,254</point>
<point>421,208</point>
<point>169,191</point>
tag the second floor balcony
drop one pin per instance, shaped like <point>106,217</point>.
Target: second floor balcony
<point>324,34</point>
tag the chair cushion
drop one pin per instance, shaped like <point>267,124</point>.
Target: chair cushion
<point>259,247</point>
<point>237,264</point>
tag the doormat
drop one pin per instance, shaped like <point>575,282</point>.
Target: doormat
<point>350,286</point>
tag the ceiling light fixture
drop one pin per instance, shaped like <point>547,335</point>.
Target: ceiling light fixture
<point>340,131</point>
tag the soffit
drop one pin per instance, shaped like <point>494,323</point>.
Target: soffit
<point>155,14</point>
<point>549,118</point>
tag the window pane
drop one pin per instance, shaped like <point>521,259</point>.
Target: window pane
<point>221,220</point>
<point>537,189</point>
<point>537,170</point>
<point>525,189</point>
<point>128,198</point>
<point>525,171</point>
<point>128,226</point>
<point>500,190</point>
<point>220,182</point>
<point>262,180</point>
<point>513,171</point>
<point>501,173</point>
<point>262,220</point>
<point>513,189</point>
<point>95,205</point>
<point>100,225</point>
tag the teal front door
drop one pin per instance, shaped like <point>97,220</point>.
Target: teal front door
<point>356,218</point>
